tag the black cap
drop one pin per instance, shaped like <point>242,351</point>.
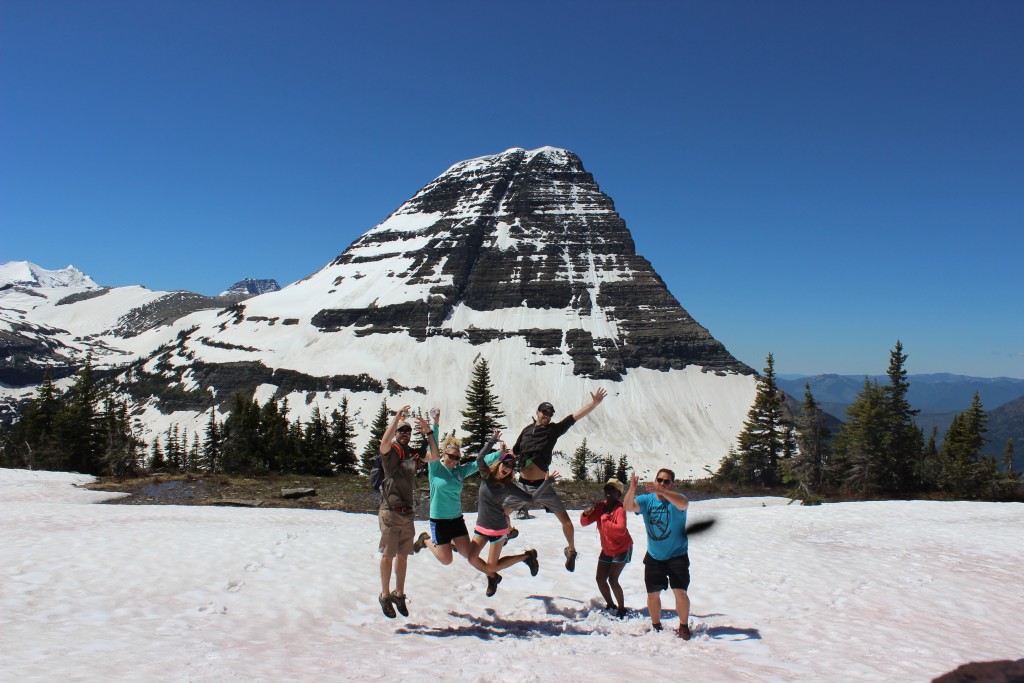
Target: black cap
<point>545,407</point>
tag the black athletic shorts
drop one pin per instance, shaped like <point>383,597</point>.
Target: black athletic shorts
<point>444,530</point>
<point>659,575</point>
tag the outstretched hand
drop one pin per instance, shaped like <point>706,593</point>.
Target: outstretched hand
<point>552,475</point>
<point>598,395</point>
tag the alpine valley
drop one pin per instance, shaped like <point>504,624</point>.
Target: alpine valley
<point>517,258</point>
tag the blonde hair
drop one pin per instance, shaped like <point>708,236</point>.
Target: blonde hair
<point>451,441</point>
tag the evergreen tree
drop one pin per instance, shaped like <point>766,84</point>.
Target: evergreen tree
<point>931,465</point>
<point>580,461</point>
<point>35,438</point>
<point>122,452</point>
<point>900,468</point>
<point>78,434</point>
<point>212,447</point>
<point>241,436</point>
<point>482,414</point>
<point>765,438</point>
<point>608,468</point>
<point>343,439</point>
<point>622,470</point>
<point>860,445</point>
<point>808,466</point>
<point>380,425</point>
<point>316,445</point>
<point>964,473</point>
<point>156,457</point>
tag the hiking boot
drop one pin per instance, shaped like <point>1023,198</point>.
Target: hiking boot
<point>513,533</point>
<point>386,606</point>
<point>684,631</point>
<point>421,542</point>
<point>621,613</point>
<point>399,603</point>
<point>570,559</point>
<point>657,626</point>
<point>492,584</point>
<point>531,561</point>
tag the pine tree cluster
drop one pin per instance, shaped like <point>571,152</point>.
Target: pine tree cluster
<point>879,450</point>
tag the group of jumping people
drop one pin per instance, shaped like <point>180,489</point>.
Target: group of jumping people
<point>501,493</point>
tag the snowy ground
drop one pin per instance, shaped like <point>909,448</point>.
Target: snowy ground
<point>883,591</point>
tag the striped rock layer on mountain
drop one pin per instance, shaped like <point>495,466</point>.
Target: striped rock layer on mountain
<point>514,231</point>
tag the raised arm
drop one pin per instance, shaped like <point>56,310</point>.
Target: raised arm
<point>389,433</point>
<point>596,398</point>
<point>433,454</point>
<point>629,500</point>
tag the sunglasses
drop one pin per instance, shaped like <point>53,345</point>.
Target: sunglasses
<point>454,456</point>
<point>610,491</point>
<point>545,413</point>
<point>666,482</point>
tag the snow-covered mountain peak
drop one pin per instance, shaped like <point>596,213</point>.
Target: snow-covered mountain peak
<point>28,274</point>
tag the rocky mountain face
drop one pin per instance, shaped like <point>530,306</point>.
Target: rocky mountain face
<point>518,258</point>
<point>243,289</point>
<point>528,230</point>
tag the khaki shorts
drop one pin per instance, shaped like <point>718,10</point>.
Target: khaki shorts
<point>396,532</point>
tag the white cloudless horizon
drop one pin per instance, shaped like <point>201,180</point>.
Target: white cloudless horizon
<point>873,591</point>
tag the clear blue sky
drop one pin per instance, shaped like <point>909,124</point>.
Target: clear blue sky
<point>815,179</point>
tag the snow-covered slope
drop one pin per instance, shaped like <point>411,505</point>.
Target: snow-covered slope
<point>517,258</point>
<point>27,274</point>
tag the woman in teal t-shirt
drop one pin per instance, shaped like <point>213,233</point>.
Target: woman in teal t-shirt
<point>447,527</point>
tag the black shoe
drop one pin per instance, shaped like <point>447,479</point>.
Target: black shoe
<point>399,603</point>
<point>385,604</point>
<point>421,542</point>
<point>657,626</point>
<point>531,561</point>
<point>492,584</point>
<point>570,559</point>
<point>621,613</point>
<point>513,533</point>
<point>684,632</point>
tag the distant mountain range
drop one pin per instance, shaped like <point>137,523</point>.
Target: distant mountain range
<point>938,396</point>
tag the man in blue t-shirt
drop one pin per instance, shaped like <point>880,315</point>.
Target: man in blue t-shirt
<point>666,563</point>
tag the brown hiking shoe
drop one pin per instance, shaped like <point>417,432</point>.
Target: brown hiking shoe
<point>386,606</point>
<point>399,602</point>
<point>421,542</point>
<point>570,559</point>
<point>684,631</point>
<point>531,561</point>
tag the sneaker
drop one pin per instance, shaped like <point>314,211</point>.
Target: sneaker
<point>385,604</point>
<point>513,533</point>
<point>621,613</point>
<point>421,542</point>
<point>684,632</point>
<point>570,559</point>
<point>531,561</point>
<point>399,602</point>
<point>657,626</point>
<point>492,584</point>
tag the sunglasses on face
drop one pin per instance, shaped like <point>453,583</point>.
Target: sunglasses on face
<point>546,413</point>
<point>666,482</point>
<point>609,492</point>
<point>453,456</point>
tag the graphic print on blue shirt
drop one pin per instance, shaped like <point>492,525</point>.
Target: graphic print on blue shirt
<point>666,527</point>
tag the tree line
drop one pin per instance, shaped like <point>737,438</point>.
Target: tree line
<point>86,430</point>
<point>879,450</point>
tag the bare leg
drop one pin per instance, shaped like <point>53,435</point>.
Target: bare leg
<point>401,562</point>
<point>568,530</point>
<point>443,553</point>
<point>682,605</point>
<point>602,583</point>
<point>615,569</point>
<point>462,545</point>
<point>385,574</point>
<point>654,607</point>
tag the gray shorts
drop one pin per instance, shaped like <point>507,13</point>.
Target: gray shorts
<point>550,499</point>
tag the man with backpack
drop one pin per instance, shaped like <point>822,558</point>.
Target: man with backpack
<point>398,464</point>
